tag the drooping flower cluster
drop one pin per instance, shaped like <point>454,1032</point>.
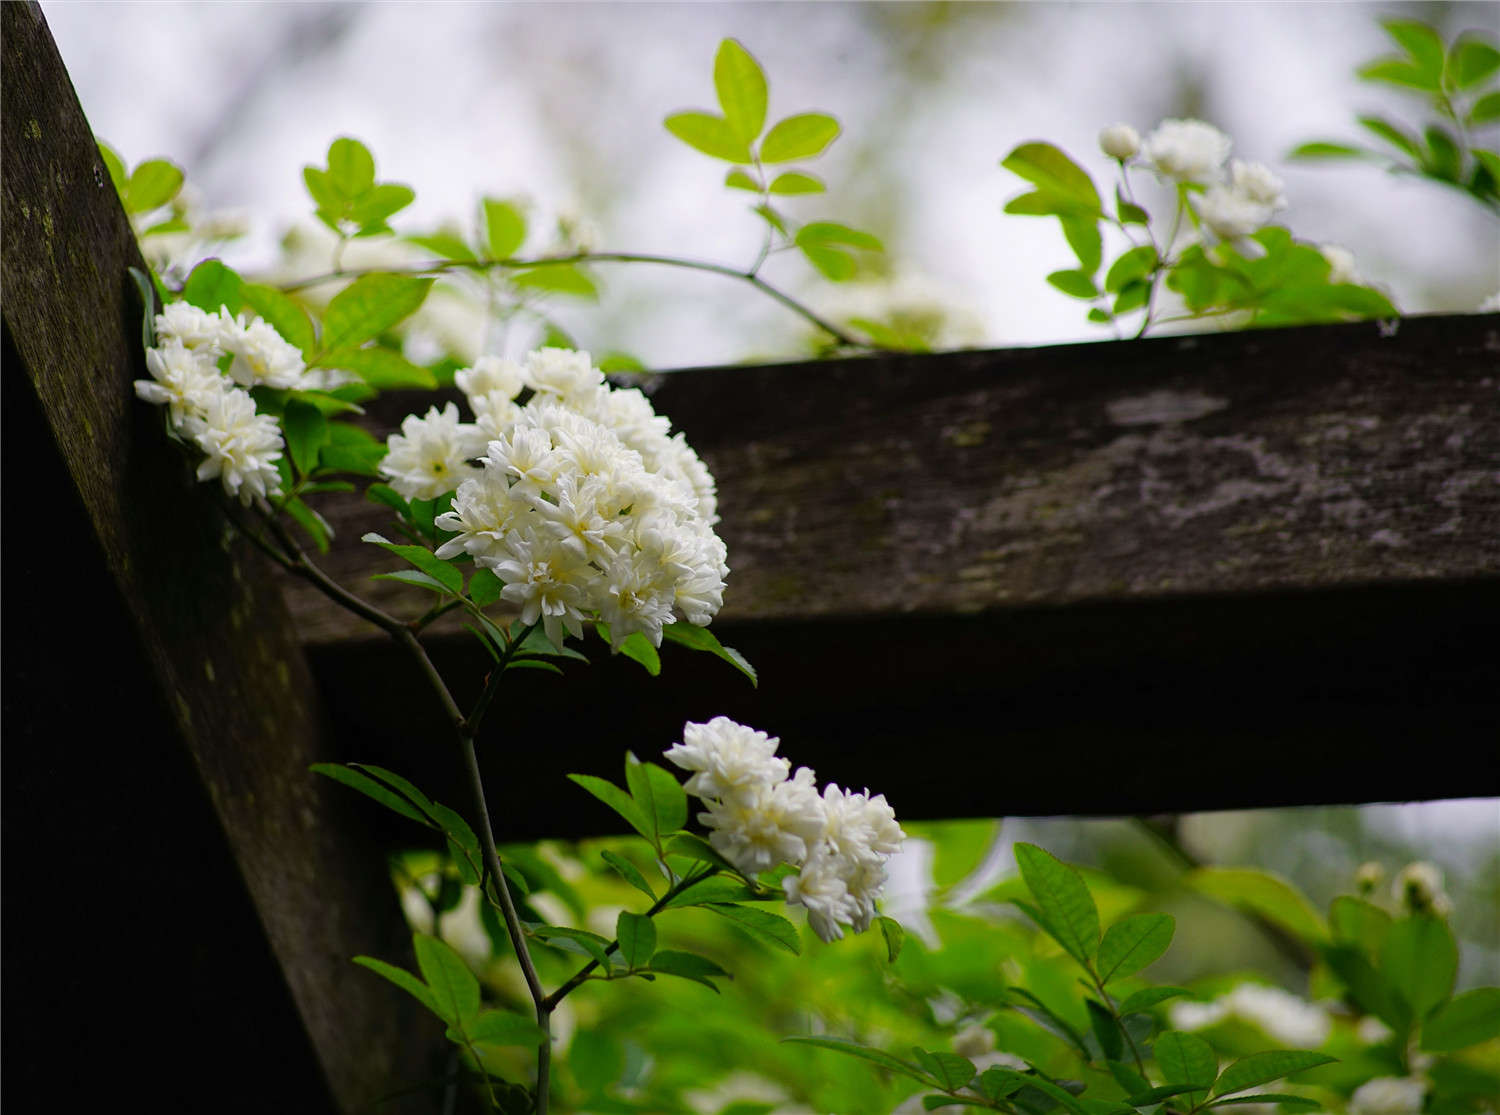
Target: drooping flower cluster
<point>582,503</point>
<point>759,815</point>
<point>1233,203</point>
<point>213,409</point>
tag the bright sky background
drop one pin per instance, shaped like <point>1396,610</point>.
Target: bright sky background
<point>561,103</point>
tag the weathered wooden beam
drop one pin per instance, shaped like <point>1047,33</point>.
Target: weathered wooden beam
<point>169,725</point>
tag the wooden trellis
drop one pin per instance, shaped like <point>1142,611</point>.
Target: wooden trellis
<point>1055,580</point>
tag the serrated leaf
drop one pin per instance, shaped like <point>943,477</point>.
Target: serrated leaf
<point>1075,284</point>
<point>737,179</point>
<point>1264,893</point>
<point>152,184</point>
<point>446,575</point>
<point>1187,1059</point>
<point>454,989</point>
<point>803,136</point>
<point>484,587</point>
<point>504,227</point>
<point>1132,943</point>
<point>1466,1020</point>
<point>501,1027</point>
<point>688,965</point>
<point>710,134</point>
<point>351,167</point>
<point>617,799</point>
<point>1054,174</point>
<point>894,935</point>
<point>1148,997</point>
<point>357,780</point>
<point>741,88</point>
<point>1420,959</point>
<point>863,1052</point>
<point>702,639</point>
<point>763,925</point>
<point>636,934</point>
<point>212,285</point>
<point>795,182</point>
<point>629,872</point>
<point>1262,1068</point>
<point>369,306</point>
<point>1064,899</point>
<point>402,979</point>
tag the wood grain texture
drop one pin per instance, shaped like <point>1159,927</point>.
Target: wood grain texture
<point>207,615</point>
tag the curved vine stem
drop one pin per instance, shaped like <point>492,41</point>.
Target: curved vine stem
<point>441,266</point>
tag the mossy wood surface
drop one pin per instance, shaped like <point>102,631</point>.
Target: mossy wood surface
<point>209,623</point>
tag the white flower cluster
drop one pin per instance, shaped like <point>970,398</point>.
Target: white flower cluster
<point>760,817</point>
<point>1282,1015</point>
<point>1419,888</point>
<point>240,446</point>
<point>582,503</point>
<point>1388,1095</point>
<point>1190,152</point>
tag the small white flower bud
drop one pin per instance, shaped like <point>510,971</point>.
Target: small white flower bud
<point>974,1041</point>
<point>1369,875</point>
<point>1120,141</point>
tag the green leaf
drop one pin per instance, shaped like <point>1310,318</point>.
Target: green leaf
<point>1261,892</point>
<point>771,217</point>
<point>1358,922</point>
<point>1466,1020</point>
<point>1471,60</point>
<point>1187,1059</point>
<point>1324,150</point>
<point>372,209</point>
<point>484,587</point>
<point>1150,1096</point>
<point>306,433</point>
<point>501,1027</point>
<point>1075,284</point>
<point>660,797</point>
<point>212,285</point>
<point>949,1070</point>
<point>370,305</point>
<point>741,87</point>
<point>834,264</point>
<point>864,1053</point>
<point>385,494</point>
<point>1421,43</point>
<point>894,936</point>
<point>617,799</point>
<point>1393,135</point>
<point>152,184</point>
<point>999,1077</point>
<point>763,925</point>
<point>402,979</point>
<point>829,232</point>
<point>1106,1029</point>
<point>368,786</point>
<point>584,942</point>
<point>629,873</point>
<point>116,167</point>
<point>1394,71</point>
<point>637,936</point>
<point>414,579</point>
<point>738,179</point>
<point>1301,1103</point>
<point>1148,997</point>
<point>1043,1015</point>
<point>504,228</point>
<point>795,182</point>
<point>710,134</point>
<point>1130,1081</point>
<point>1132,266</point>
<point>351,167</point>
<point>1055,176</point>
<point>443,244</point>
<point>1486,109</point>
<point>1262,1068</point>
<point>283,314</point>
<point>1131,297</point>
<point>448,576</point>
<point>454,988</point>
<point>1368,987</point>
<point>315,525</point>
<point>1130,212</point>
<point>693,637</point>
<point>538,644</point>
<point>1084,238</point>
<point>932,1103</point>
<point>1420,959</point>
<point>556,278</point>
<point>380,368</point>
<point>688,965</point>
<point>802,136</point>
<point>1064,900</point>
<point>148,305</point>
<point>693,847</point>
<point>1132,943</point>
<point>1446,160</point>
<point>391,778</point>
<point>638,648</point>
<point>715,889</point>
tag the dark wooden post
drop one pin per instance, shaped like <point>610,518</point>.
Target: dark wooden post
<point>182,896</point>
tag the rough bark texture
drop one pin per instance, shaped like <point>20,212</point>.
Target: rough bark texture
<point>1289,459</point>
<point>206,620</point>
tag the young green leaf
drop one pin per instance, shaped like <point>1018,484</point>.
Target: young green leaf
<point>710,134</point>
<point>1471,60</point>
<point>1281,1099</point>
<point>455,991</point>
<point>370,305</point>
<point>702,639</point>
<point>1395,71</point>
<point>115,166</point>
<point>1421,43</point>
<point>741,88</point>
<point>404,980</point>
<point>371,788</point>
<point>573,940</point>
<point>1067,188</point>
<point>1064,899</point>
<point>693,847</point>
<point>1322,149</point>
<point>1445,160</point>
<point>1420,959</point>
<point>710,890</point>
<point>637,936</point>
<point>1268,895</point>
<point>1187,1059</point>
<point>381,368</point>
<point>152,184</point>
<point>738,179</point>
<point>1132,943</point>
<point>1083,236</point>
<point>501,1027</point>
<point>629,873</point>
<point>661,798</point>
<point>1486,109</point>
<point>1393,135</point>
<point>484,587</point>
<point>284,315</point>
<point>504,228</point>
<point>306,433</point>
<point>1368,986</point>
<point>802,136</point>
<point>688,965</point>
<point>1262,1068</point>
<point>415,580</point>
<point>638,648</point>
<point>445,574</point>
<point>763,925</point>
<point>556,278</point>
<point>617,799</point>
<point>212,285</point>
<point>315,525</point>
<point>1465,1020</point>
<point>1127,1078</point>
<point>444,244</point>
<point>1359,922</point>
<point>1132,266</point>
<point>830,232</point>
<point>1075,284</point>
<point>864,1053</point>
<point>351,167</point>
<point>894,935</point>
<point>795,182</point>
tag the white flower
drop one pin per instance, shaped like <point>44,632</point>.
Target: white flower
<point>1229,214</point>
<point>1256,182</point>
<point>1187,150</point>
<point>860,827</point>
<point>490,383</point>
<point>1120,141</point>
<point>181,379</point>
<point>1341,269</point>
<point>1372,1031</point>
<point>562,372</point>
<point>821,886</point>
<point>240,446</point>
<point>1189,1015</point>
<point>727,758</point>
<point>766,825</point>
<point>1388,1095</point>
<point>546,580</point>
<point>1282,1015</point>
<point>261,357</point>
<point>1419,888</point>
<point>184,322</point>
<point>430,455</point>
